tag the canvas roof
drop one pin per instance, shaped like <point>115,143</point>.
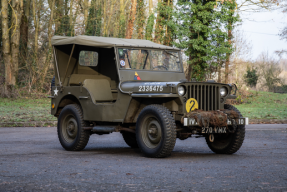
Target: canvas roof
<point>107,42</point>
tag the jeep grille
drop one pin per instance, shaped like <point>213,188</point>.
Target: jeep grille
<point>207,96</point>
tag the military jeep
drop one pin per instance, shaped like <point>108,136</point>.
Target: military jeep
<point>138,88</point>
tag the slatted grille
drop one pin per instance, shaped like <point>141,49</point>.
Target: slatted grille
<point>207,96</point>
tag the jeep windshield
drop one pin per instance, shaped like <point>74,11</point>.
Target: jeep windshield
<point>141,59</point>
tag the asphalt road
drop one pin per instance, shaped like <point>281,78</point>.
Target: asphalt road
<point>32,159</point>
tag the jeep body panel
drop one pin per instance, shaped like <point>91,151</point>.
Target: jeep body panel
<point>130,95</point>
<point>138,88</point>
<point>112,112</point>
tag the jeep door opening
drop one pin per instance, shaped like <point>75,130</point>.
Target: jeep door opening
<point>137,87</point>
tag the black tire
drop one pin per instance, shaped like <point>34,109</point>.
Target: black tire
<point>52,84</point>
<point>156,131</point>
<point>71,134</point>
<point>130,139</point>
<point>228,143</point>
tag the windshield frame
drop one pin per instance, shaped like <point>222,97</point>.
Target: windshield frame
<point>149,57</point>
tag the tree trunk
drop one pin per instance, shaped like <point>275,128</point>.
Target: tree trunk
<point>15,37</point>
<point>140,18</point>
<point>168,30</point>
<point>228,55</point>
<point>150,22</point>
<point>58,17</point>
<point>71,19</point>
<point>36,25</point>
<point>9,71</point>
<point>131,19</point>
<point>219,73</point>
<point>150,5</point>
<point>122,31</point>
<point>110,17</point>
<point>75,17</point>
<point>158,26</point>
<point>1,59</point>
<point>104,18</point>
<point>25,26</point>
<point>86,12</point>
<point>149,27</point>
<point>49,52</point>
<point>189,70</point>
<point>50,30</point>
<point>24,34</point>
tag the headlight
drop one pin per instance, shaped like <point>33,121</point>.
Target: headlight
<point>181,90</point>
<point>223,91</point>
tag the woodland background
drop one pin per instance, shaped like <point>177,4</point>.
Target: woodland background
<point>207,31</point>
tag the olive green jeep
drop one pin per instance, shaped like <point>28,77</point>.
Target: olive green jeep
<point>138,88</point>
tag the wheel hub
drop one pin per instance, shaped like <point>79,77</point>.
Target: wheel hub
<point>154,131</point>
<point>70,128</point>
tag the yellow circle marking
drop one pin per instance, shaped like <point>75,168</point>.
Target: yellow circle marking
<point>191,104</point>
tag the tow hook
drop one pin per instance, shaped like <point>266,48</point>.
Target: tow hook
<point>211,138</point>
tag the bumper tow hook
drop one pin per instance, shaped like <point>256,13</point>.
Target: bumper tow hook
<point>211,138</point>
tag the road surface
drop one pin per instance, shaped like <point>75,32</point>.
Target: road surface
<point>32,159</point>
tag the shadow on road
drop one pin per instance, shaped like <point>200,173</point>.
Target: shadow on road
<point>129,152</point>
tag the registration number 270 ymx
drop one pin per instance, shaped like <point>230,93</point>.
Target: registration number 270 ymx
<point>213,130</point>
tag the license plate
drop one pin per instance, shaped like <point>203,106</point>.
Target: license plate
<point>213,130</point>
<point>240,121</point>
<point>193,122</point>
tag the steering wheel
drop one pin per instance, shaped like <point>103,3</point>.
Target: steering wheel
<point>160,66</point>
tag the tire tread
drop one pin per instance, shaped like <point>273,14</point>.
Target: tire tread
<point>84,135</point>
<point>170,130</point>
<point>238,139</point>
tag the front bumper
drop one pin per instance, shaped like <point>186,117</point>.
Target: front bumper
<point>215,118</point>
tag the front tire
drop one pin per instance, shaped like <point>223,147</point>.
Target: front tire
<point>156,131</point>
<point>228,143</point>
<point>70,130</point>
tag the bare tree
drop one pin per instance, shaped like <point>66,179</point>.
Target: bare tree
<point>17,6</point>
<point>269,70</point>
<point>244,6</point>
<point>283,32</point>
<point>11,48</point>
<point>257,5</point>
<point>241,55</point>
<point>129,31</point>
<point>9,75</point>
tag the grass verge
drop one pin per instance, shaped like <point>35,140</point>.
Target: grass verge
<point>25,110</point>
<point>264,105</point>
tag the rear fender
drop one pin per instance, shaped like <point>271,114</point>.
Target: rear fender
<point>66,100</point>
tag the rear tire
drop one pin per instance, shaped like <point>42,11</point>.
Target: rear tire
<point>156,131</point>
<point>228,143</point>
<point>130,139</point>
<point>71,134</point>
